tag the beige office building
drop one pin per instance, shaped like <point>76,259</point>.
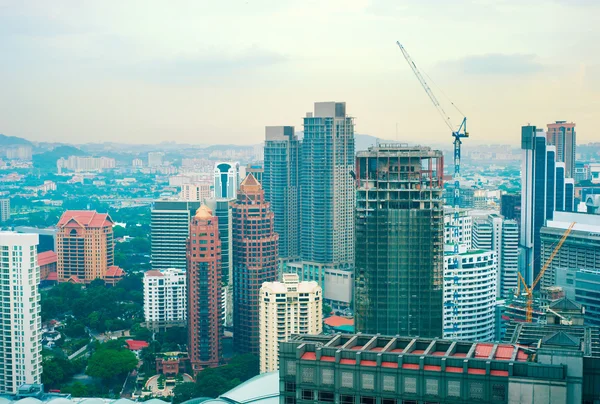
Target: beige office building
<point>287,308</point>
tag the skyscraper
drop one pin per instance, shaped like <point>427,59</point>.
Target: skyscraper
<point>205,314</point>
<point>562,135</point>
<point>227,177</point>
<point>281,185</point>
<point>255,261</point>
<point>84,245</point>
<point>399,240</point>
<point>4,209</point>
<point>21,325</point>
<point>164,298</point>
<point>287,308</point>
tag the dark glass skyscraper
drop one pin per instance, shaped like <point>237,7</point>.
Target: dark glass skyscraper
<point>399,241</point>
<point>281,185</point>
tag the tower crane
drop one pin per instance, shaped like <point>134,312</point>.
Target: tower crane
<point>529,289</point>
<point>458,134</point>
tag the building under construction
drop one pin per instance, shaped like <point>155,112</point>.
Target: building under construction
<point>399,240</point>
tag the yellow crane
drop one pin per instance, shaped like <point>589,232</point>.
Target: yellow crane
<point>529,289</point>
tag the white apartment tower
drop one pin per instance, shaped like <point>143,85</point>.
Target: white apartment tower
<point>164,298</point>
<point>196,191</point>
<point>21,325</point>
<point>287,308</point>
<point>458,227</point>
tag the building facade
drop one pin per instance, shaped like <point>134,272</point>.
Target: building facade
<point>399,241</point>
<point>227,178</point>
<point>195,192</point>
<point>281,185</point>
<point>562,135</point>
<point>21,336</point>
<point>205,296</point>
<point>4,210</point>
<point>469,294</point>
<point>255,261</point>
<point>84,245</point>
<point>81,164</point>
<point>458,227</point>
<point>510,206</point>
<point>583,286</point>
<point>287,308</point>
<point>164,298</point>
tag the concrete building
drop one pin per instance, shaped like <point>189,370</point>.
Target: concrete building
<point>257,171</point>
<point>227,179</point>
<point>458,227</point>
<point>581,249</point>
<point>373,369</point>
<point>327,163</point>
<point>510,207</point>
<point>84,245</point>
<point>164,298</point>
<point>287,308</point>
<point>21,334</point>
<point>399,240</point>
<point>83,164</point>
<point>562,135</point>
<point>282,188</point>
<point>204,298</point>
<point>47,262</point>
<point>137,163</point>
<point>501,236</point>
<point>255,261</point>
<point>4,210</point>
<point>155,159</point>
<point>195,192</point>
<point>469,294</point>
<point>583,286</point>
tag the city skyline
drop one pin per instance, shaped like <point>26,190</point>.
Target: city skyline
<point>128,73</point>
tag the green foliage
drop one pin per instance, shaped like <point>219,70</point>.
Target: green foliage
<point>57,371</point>
<point>108,363</point>
<point>327,310</point>
<point>183,392</point>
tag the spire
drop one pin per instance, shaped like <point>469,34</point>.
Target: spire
<point>203,212</point>
<point>250,184</point>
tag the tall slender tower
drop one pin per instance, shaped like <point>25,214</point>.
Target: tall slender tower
<point>281,185</point>
<point>562,135</point>
<point>255,261</point>
<point>204,291</point>
<point>399,241</point>
<point>21,326</point>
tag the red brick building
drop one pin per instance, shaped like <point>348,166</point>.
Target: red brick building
<point>47,262</point>
<point>255,261</point>
<point>204,291</point>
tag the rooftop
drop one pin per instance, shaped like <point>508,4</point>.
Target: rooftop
<point>47,257</point>
<point>85,218</point>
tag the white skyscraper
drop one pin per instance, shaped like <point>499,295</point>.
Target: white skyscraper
<point>164,298</point>
<point>287,308</point>
<point>458,227</point>
<point>20,338</point>
<point>227,178</point>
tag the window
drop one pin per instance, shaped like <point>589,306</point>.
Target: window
<point>389,383</point>
<point>367,400</point>
<point>290,387</point>
<point>345,399</point>
<point>347,379</point>
<point>307,394</point>
<point>326,396</point>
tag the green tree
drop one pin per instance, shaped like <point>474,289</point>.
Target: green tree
<point>185,391</point>
<point>107,364</point>
<point>327,310</point>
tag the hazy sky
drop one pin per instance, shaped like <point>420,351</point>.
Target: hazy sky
<point>218,71</point>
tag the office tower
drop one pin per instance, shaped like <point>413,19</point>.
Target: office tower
<point>582,286</point>
<point>155,159</point>
<point>562,135</point>
<point>195,192</point>
<point>255,261</point>
<point>205,309</point>
<point>399,241</point>
<point>287,308</point>
<point>501,236</point>
<point>458,227</point>
<point>469,294</point>
<point>541,195</point>
<point>257,171</point>
<point>560,187</point>
<point>227,177</point>
<point>4,210</point>
<point>164,298</point>
<point>327,192</point>
<point>510,206</point>
<point>281,185</point>
<point>21,336</point>
<point>85,245</point>
<point>581,249</point>
<point>170,225</point>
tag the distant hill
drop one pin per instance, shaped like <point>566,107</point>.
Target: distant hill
<point>13,141</point>
<point>47,160</point>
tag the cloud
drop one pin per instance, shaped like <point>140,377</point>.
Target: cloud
<point>495,64</point>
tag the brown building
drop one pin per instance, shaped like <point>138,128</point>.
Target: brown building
<point>204,291</point>
<point>562,135</point>
<point>85,246</point>
<point>47,262</point>
<point>255,255</point>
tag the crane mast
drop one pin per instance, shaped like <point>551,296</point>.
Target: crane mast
<point>457,134</point>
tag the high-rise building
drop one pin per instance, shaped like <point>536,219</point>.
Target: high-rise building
<point>204,298</point>
<point>327,191</point>
<point>155,159</point>
<point>287,308</point>
<point>281,185</point>
<point>501,236</point>
<point>164,298</point>
<point>257,171</point>
<point>458,227</point>
<point>255,261</point>
<point>21,336</point>
<point>85,245</point>
<point>541,195</point>
<point>4,210</point>
<point>227,178</point>
<point>469,294</point>
<point>195,192</point>
<point>399,240</point>
<point>510,206</point>
<point>562,135</point>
